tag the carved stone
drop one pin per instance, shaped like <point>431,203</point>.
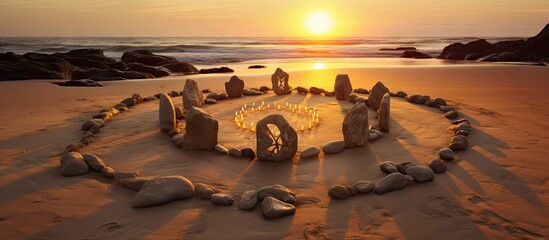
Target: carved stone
<point>275,145</point>
<point>280,82</point>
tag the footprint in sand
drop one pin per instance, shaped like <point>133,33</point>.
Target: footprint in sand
<point>111,226</point>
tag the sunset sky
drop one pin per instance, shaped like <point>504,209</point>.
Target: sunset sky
<point>271,18</point>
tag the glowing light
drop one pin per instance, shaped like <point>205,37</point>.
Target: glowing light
<point>318,65</point>
<point>319,23</point>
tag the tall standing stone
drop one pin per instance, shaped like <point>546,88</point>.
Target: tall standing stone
<point>376,94</point>
<point>201,130</point>
<point>342,87</point>
<point>275,145</point>
<point>192,96</point>
<point>166,113</point>
<point>280,82</point>
<point>234,87</point>
<point>355,126</point>
<point>384,112</point>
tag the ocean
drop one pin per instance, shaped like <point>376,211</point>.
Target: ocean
<point>220,50</point>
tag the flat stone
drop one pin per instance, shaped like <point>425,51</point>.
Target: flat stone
<point>134,183</point>
<point>222,199</point>
<point>203,190</point>
<point>446,108</point>
<point>162,190</point>
<point>87,125</point>
<point>352,190</point>
<point>339,192</point>
<point>420,173</point>
<point>73,164</point>
<point>361,91</point>
<point>451,114</point>
<point>310,152</point>
<point>389,167</point>
<point>392,182</point>
<point>273,208</point>
<point>107,172</point>
<point>364,186</point>
<point>333,147</point>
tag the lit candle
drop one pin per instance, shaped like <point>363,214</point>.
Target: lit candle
<point>262,102</point>
<point>244,126</point>
<point>279,107</point>
<point>253,104</point>
<point>287,104</point>
<point>253,129</point>
<point>302,128</point>
<point>253,108</point>
<point>246,112</point>
<point>268,106</point>
<point>310,125</point>
<point>245,106</point>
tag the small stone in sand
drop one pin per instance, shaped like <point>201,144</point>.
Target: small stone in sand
<point>446,154</point>
<point>162,190</point>
<point>173,132</point>
<point>235,152</point>
<point>203,190</point>
<point>333,147</point>
<point>222,199</point>
<point>388,167</point>
<point>73,164</point>
<point>277,191</point>
<point>437,165</point>
<point>273,208</point>
<point>248,200</point>
<point>248,153</point>
<point>87,125</point>
<point>392,182</point>
<point>364,186</point>
<point>361,91</point>
<point>445,108</point>
<point>451,114</point>
<point>134,183</point>
<point>352,190</point>
<point>221,149</point>
<point>107,172</point>
<point>94,161</point>
<point>420,173</point>
<point>309,152</point>
<point>302,90</point>
<point>210,101</point>
<point>339,192</point>
<point>458,143</point>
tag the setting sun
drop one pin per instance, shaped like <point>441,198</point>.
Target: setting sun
<point>319,23</point>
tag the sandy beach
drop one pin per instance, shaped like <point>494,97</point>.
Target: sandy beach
<point>497,189</point>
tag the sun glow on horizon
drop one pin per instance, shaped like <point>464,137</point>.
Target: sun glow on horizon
<point>319,23</point>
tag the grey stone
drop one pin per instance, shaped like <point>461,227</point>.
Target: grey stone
<point>201,130</point>
<point>162,190</point>
<point>221,149</point>
<point>107,172</point>
<point>333,147</point>
<point>403,166</point>
<point>203,190</point>
<point>174,132</point>
<point>166,113</point>
<point>392,182</point>
<point>73,164</point>
<point>364,186</point>
<point>234,87</point>
<point>248,200</point>
<point>384,112</point>
<point>437,165</point>
<point>248,153</point>
<point>192,96</point>
<point>309,152</point>
<point>275,148</point>
<point>94,161</point>
<point>339,192</point>
<point>342,87</point>
<point>462,132</point>
<point>222,199</point>
<point>458,143</point>
<point>87,125</point>
<point>376,94</point>
<point>420,173</point>
<point>279,80</point>
<point>445,108</point>
<point>361,91</point>
<point>315,90</point>
<point>277,191</point>
<point>223,96</point>
<point>210,101</point>
<point>178,140</point>
<point>235,152</point>
<point>446,154</point>
<point>214,95</point>
<point>389,167</point>
<point>355,126</point>
<point>134,183</point>
<point>352,190</point>
<point>451,114</point>
<point>123,175</point>
<point>464,126</point>
<point>273,208</point>
<point>302,90</point>
<point>251,92</point>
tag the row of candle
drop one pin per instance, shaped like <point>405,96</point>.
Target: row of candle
<point>239,115</point>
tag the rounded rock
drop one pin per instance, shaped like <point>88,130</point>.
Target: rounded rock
<point>107,172</point>
<point>248,153</point>
<point>222,199</point>
<point>235,152</point>
<point>310,152</point>
<point>339,192</point>
<point>437,165</point>
<point>333,147</point>
<point>248,200</point>
<point>446,154</point>
<point>203,190</point>
<point>420,173</point>
<point>364,186</point>
<point>221,149</point>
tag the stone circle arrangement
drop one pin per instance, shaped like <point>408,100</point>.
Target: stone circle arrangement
<point>201,130</point>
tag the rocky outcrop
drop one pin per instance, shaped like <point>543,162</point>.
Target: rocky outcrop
<point>155,71</point>
<point>216,70</point>
<point>33,66</point>
<point>414,54</point>
<point>533,49</point>
<point>108,74</point>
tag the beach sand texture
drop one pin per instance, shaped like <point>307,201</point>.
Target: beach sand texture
<point>496,189</point>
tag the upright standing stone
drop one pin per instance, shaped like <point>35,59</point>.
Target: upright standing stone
<point>355,126</point>
<point>192,96</point>
<point>384,113</point>
<point>275,145</point>
<point>166,113</point>
<point>234,87</point>
<point>280,82</point>
<point>376,94</point>
<point>201,130</point>
<point>342,87</point>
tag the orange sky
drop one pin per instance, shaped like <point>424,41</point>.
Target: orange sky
<point>271,18</point>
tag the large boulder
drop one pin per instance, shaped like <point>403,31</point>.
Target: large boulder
<point>89,53</point>
<point>33,66</point>
<point>234,87</point>
<point>342,87</point>
<point>275,145</point>
<point>355,126</point>
<point>216,70</point>
<point>384,113</point>
<point>201,130</point>
<point>155,71</point>
<point>376,94</point>
<point>279,80</point>
<point>166,113</point>
<point>192,96</point>
<point>162,190</point>
<point>536,48</point>
<point>273,208</point>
